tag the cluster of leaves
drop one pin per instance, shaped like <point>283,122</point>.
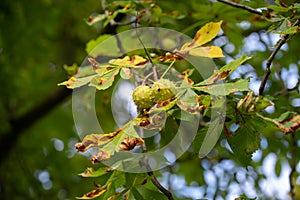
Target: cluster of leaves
<point>244,109</point>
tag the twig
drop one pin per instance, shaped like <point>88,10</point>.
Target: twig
<point>120,46</point>
<point>161,188</point>
<point>155,76</point>
<point>244,7</point>
<point>293,166</point>
<point>281,42</point>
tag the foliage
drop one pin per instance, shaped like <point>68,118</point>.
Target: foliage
<point>244,109</point>
<point>254,127</point>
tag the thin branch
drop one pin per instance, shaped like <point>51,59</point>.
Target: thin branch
<point>155,76</point>
<point>281,42</point>
<point>161,188</point>
<point>293,166</point>
<point>244,7</point>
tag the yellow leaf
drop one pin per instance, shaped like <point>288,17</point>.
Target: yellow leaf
<point>209,51</point>
<point>95,193</point>
<point>207,32</point>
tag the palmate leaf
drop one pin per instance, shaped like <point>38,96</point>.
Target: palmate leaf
<point>204,35</point>
<point>226,88</point>
<point>225,71</point>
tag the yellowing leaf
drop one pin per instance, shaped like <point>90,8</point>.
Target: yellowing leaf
<point>76,82</point>
<point>104,81</point>
<point>207,32</point>
<point>134,62</point>
<point>95,193</point>
<point>93,140</point>
<point>209,51</point>
<point>225,71</point>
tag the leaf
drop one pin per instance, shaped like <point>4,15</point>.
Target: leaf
<point>188,102</point>
<point>94,19</point>
<point>92,44</point>
<point>76,82</point>
<point>209,51</point>
<point>125,73</point>
<point>253,103</point>
<point>94,193</point>
<point>209,137</point>
<point>287,122</point>
<point>279,8</point>
<point>71,70</point>
<point>104,81</point>
<point>246,140</point>
<point>207,32</point>
<point>93,140</point>
<point>136,194</point>
<point>90,172</point>
<point>133,62</point>
<point>226,88</point>
<point>225,71</point>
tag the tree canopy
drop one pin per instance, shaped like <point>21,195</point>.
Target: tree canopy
<point>171,100</point>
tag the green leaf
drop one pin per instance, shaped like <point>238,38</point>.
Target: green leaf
<point>136,194</point>
<point>104,81</point>
<point>287,122</point>
<point>291,30</point>
<point>246,140</point>
<point>77,82</point>
<point>92,44</point>
<point>209,137</point>
<point>188,101</point>
<point>253,103</point>
<point>94,19</point>
<point>125,73</point>
<point>90,172</point>
<point>151,194</point>
<point>226,88</point>
<point>279,8</point>
<point>225,71</point>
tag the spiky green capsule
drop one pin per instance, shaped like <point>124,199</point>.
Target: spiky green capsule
<point>163,90</point>
<point>143,97</point>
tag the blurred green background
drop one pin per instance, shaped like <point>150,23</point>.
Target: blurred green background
<point>36,39</point>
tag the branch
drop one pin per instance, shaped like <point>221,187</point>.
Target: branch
<point>244,7</point>
<point>166,192</point>
<point>154,180</point>
<point>20,124</point>
<point>282,41</point>
<point>293,166</point>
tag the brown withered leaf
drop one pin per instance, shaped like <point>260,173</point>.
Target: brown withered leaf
<point>94,140</point>
<point>100,157</point>
<point>129,143</point>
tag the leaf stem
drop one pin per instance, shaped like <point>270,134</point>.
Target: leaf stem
<point>244,7</point>
<point>168,69</point>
